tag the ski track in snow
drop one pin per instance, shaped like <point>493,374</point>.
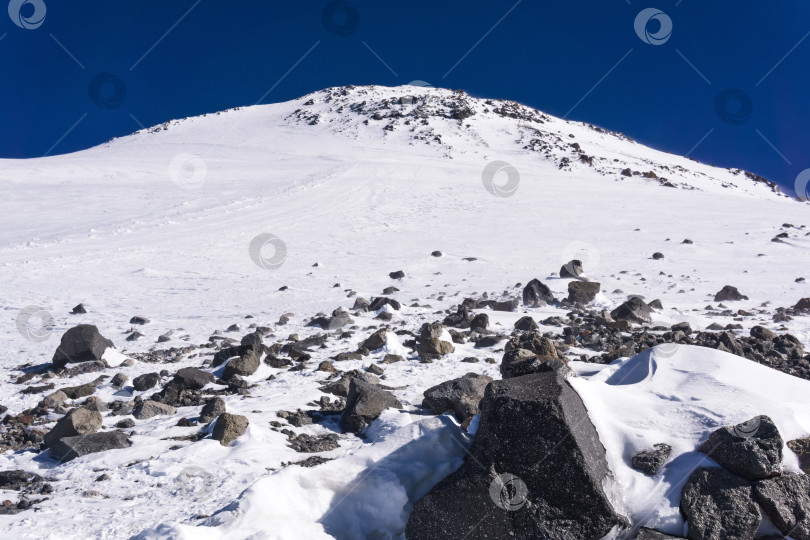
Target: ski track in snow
<point>109,228</point>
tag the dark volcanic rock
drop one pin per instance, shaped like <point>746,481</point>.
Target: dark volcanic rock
<point>378,303</point>
<point>729,293</point>
<point>650,461</point>
<point>504,489</point>
<point>399,274</point>
<point>365,403</point>
<point>571,269</point>
<point>376,340</point>
<point>801,447</point>
<point>73,447</point>
<point>76,422</point>
<point>651,534</point>
<point>82,343</point>
<point>145,381</point>
<point>212,409</point>
<point>17,480</point>
<point>78,310</point>
<point>786,500</point>
<point>526,324</point>
<point>634,310</point>
<point>311,443</point>
<point>583,292</point>
<point>149,409</point>
<point>228,428</point>
<point>243,366</point>
<point>480,322</point>
<point>718,506</point>
<point>461,396</point>
<point>752,449</point>
<point>537,293</point>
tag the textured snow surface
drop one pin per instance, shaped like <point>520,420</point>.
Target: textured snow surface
<point>159,224</point>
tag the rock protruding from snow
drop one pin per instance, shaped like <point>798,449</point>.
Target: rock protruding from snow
<point>365,403</point>
<point>431,345</point>
<point>82,343</point>
<point>634,310</point>
<point>460,396</point>
<point>78,421</point>
<point>149,409</point>
<point>537,294</point>
<point>718,504</point>
<point>786,500</point>
<point>583,292</point>
<point>212,409</point>
<point>536,470</point>
<point>729,293</point>
<point>650,461</point>
<point>531,353</point>
<point>571,270</point>
<point>72,447</point>
<point>752,449</point>
<point>244,365</point>
<point>229,427</point>
<point>376,340</point>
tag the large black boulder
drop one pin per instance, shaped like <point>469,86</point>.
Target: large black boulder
<point>535,470</point>
<point>719,505</point>
<point>365,403</point>
<point>786,500</point>
<point>729,293</point>
<point>537,293</point>
<point>752,449</point>
<point>583,292</point>
<point>82,343</point>
<point>460,396</point>
<point>72,447</point>
<point>634,310</point>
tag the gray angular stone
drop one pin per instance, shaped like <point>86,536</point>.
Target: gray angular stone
<point>119,380</point>
<point>634,310</point>
<point>145,381</point>
<point>752,449</point>
<point>786,500</point>
<point>244,365</point>
<point>211,410</point>
<point>503,489</point>
<point>82,343</point>
<point>365,403</point>
<point>229,427</point>
<point>460,396</point>
<point>650,461</point>
<point>526,324</point>
<point>537,294</point>
<point>729,293</point>
<point>54,400</point>
<point>18,479</point>
<point>76,422</point>
<point>149,409</point>
<point>583,292</point>
<point>376,340</point>
<point>719,505</point>
<point>70,448</point>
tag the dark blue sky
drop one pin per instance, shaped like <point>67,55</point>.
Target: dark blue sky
<point>100,67</point>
